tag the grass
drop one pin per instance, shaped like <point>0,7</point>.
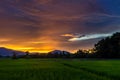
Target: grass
<point>58,69</point>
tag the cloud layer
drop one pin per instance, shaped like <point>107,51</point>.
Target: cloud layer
<point>44,25</point>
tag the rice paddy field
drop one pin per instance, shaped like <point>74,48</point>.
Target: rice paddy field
<point>59,69</point>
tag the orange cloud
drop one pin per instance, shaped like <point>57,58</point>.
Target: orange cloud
<point>68,35</point>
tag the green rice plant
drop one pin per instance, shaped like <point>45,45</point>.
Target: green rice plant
<point>57,69</point>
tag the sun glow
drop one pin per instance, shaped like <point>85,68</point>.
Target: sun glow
<point>42,49</point>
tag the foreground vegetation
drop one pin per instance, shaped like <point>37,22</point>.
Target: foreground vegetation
<point>59,69</point>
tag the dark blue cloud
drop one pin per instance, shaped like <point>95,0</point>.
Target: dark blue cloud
<point>110,6</point>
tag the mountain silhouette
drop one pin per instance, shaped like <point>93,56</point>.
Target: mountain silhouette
<point>59,52</point>
<point>5,52</point>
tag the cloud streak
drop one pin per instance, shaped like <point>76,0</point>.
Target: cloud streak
<point>92,36</point>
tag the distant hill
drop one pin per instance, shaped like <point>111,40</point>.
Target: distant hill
<point>5,52</point>
<point>59,52</point>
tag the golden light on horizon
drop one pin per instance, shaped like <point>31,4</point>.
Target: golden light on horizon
<point>43,48</point>
<point>30,49</point>
<point>42,45</point>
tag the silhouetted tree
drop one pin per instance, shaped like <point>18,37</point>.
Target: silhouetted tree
<point>108,47</point>
<point>14,55</point>
<point>27,54</point>
<point>80,54</point>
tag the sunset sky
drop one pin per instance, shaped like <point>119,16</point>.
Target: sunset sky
<point>46,25</point>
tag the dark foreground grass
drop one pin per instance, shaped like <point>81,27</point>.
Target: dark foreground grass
<point>58,69</point>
